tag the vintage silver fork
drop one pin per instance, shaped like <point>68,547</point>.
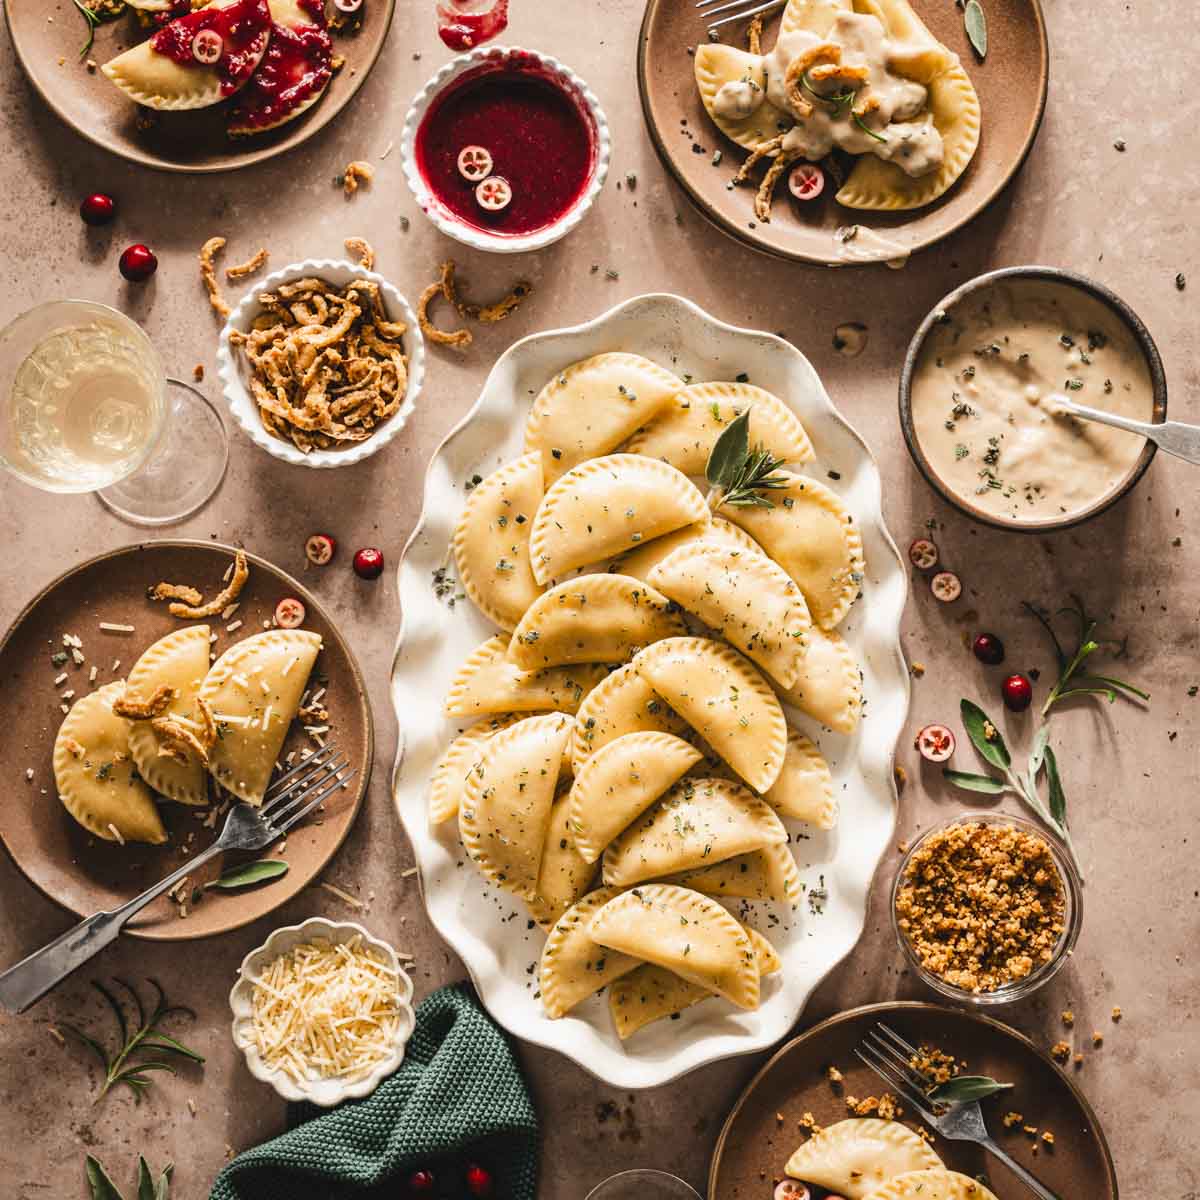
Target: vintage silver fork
<point>889,1056</point>
<point>289,799</point>
<point>738,10</point>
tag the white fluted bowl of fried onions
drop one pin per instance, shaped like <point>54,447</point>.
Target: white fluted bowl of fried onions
<point>317,371</point>
<point>322,1011</point>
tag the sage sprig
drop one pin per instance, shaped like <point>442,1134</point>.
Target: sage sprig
<point>738,474</point>
<point>103,1188</point>
<point>144,1038</point>
<point>962,1089</point>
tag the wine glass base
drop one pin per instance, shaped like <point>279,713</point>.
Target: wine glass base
<point>184,469</point>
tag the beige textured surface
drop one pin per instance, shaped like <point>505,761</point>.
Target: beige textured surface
<point>1127,218</point>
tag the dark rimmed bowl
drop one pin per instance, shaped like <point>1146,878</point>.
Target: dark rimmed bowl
<point>1110,300</point>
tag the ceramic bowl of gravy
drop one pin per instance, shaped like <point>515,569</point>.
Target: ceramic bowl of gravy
<point>981,388</point>
<point>542,133</point>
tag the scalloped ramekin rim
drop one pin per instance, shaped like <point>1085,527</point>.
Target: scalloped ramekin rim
<point>479,239</point>
<point>237,394</point>
<point>323,1092</point>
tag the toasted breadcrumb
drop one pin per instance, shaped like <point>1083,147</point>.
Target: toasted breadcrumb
<point>1068,1018</point>
<point>1060,1052</point>
<point>1048,1137</point>
<point>834,1075</point>
<point>901,777</point>
<point>1011,1119</point>
<point>1097,1038</point>
<point>208,275</point>
<point>1116,1012</point>
<point>982,905</point>
<point>198,372</point>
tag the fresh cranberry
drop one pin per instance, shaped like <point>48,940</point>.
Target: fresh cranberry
<point>289,613</point>
<point>138,263</point>
<point>479,1181</point>
<point>1017,692</point>
<point>946,586</point>
<point>420,1182</point>
<point>98,209</point>
<point>923,554</point>
<point>935,742</point>
<point>988,648</point>
<point>368,563</point>
<point>319,549</point>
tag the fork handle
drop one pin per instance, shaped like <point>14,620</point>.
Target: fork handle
<point>1039,1190</point>
<point>24,984</point>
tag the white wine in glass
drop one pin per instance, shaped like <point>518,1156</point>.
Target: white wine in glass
<point>87,407</point>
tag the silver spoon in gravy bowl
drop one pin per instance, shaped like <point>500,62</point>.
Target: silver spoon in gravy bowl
<point>1174,437</point>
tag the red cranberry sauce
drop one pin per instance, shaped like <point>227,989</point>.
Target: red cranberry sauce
<point>541,140</point>
<point>296,67</point>
<point>243,28</point>
<point>465,24</point>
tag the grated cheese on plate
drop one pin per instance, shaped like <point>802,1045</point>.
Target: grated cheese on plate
<point>326,1010</point>
<point>113,627</point>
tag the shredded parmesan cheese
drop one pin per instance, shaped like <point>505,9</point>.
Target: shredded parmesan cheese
<point>353,901</point>
<point>116,833</point>
<point>326,1010</point>
<point>110,627</point>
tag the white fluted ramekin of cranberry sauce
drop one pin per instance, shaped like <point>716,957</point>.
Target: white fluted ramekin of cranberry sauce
<point>532,123</point>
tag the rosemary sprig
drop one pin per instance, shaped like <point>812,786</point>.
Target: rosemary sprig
<point>144,1038</point>
<point>93,21</point>
<point>866,128</point>
<point>837,99</point>
<point>1071,681</point>
<point>739,474</point>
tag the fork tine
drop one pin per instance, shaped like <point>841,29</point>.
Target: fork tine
<point>331,769</point>
<point>721,7</point>
<point>911,1051</point>
<point>750,12</point>
<point>882,1069</point>
<point>304,782</point>
<point>312,760</point>
<point>899,1062</point>
<point>332,787</point>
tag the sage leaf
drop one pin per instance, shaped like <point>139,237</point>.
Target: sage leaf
<point>977,725</point>
<point>976,24</point>
<point>102,1187</point>
<point>965,1088</point>
<point>1037,753</point>
<point>250,873</point>
<point>1058,801</point>
<point>729,452</point>
<point>163,1190</point>
<point>975,783</point>
<point>146,1188</point>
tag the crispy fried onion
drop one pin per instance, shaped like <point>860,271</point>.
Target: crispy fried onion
<point>766,189</point>
<point>355,173</point>
<point>487,313</point>
<point>361,249</point>
<point>208,275</point>
<point>223,599</point>
<point>829,53</point>
<point>178,741</point>
<point>144,710</point>
<point>241,270</point>
<point>754,33</point>
<point>460,339</point>
<point>174,591</point>
<point>327,366</point>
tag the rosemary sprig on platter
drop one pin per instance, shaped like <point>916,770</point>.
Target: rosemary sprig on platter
<point>146,1037</point>
<point>739,474</point>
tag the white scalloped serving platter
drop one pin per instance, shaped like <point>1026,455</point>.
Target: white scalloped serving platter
<point>489,928</point>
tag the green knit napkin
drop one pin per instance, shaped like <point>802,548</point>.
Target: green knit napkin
<point>458,1095</point>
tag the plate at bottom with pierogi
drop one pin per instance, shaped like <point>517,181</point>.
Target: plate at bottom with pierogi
<point>160,683</point>
<point>646,716</point>
<point>817,1120</point>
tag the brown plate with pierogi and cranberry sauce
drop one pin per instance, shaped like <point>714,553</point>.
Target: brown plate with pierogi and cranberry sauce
<point>86,873</point>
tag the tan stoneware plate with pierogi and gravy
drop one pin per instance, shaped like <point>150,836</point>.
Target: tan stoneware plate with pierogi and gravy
<point>87,874</point>
<point>988,111</point>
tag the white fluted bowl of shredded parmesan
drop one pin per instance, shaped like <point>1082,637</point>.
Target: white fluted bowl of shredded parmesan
<point>322,1011</point>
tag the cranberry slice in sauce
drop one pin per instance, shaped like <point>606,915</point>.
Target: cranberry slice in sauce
<point>293,75</point>
<point>465,24</point>
<point>542,141</point>
<point>243,27</point>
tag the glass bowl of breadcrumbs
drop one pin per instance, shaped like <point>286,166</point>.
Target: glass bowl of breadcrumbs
<point>986,908</point>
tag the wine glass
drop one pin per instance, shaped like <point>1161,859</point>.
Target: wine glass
<point>86,406</point>
<point>643,1183</point>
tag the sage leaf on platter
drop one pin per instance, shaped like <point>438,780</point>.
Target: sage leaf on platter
<point>1038,752</point>
<point>976,24</point>
<point>965,1088</point>
<point>984,735</point>
<point>250,873</point>
<point>975,783</point>
<point>729,451</point>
